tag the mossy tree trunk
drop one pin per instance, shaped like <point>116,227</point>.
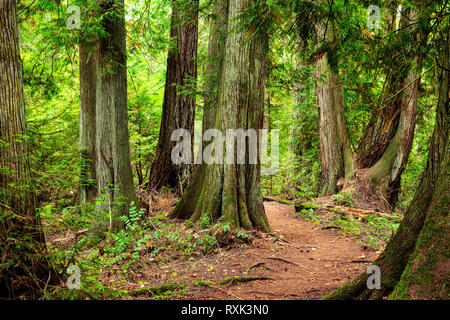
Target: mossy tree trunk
<point>415,263</point>
<point>214,64</point>
<point>232,192</point>
<point>25,270</point>
<point>114,174</point>
<point>178,107</point>
<point>375,170</point>
<point>427,274</point>
<point>386,143</point>
<point>382,126</point>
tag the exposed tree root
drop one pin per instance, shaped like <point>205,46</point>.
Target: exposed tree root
<point>241,279</point>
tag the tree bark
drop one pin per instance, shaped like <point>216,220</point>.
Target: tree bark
<point>213,72</point>
<point>232,192</point>
<point>25,269</point>
<point>335,151</point>
<point>373,176</point>
<point>297,100</point>
<point>384,120</point>
<point>114,173</point>
<point>178,108</point>
<point>386,143</point>
<point>427,273</point>
<point>419,248</point>
<point>387,171</point>
<point>88,80</point>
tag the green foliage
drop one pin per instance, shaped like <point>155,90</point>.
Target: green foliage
<point>308,215</point>
<point>372,231</point>
<point>363,60</point>
<point>344,198</point>
<point>242,235</point>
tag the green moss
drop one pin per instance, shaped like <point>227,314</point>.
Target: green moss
<point>203,283</point>
<point>308,205</point>
<point>164,290</point>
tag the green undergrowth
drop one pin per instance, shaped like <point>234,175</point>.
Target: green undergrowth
<point>372,231</point>
<point>146,241</point>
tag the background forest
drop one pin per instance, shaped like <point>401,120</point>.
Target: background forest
<point>373,68</point>
<point>50,56</point>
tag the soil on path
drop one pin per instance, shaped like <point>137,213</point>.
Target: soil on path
<point>306,263</point>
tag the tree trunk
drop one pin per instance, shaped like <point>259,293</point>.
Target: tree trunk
<point>268,125</point>
<point>178,108</point>
<point>335,151</point>
<point>25,269</point>
<point>386,143</point>
<point>419,248</point>
<point>114,174</point>
<point>373,176</point>
<point>88,78</point>
<point>232,192</point>
<point>427,274</point>
<point>216,56</point>
<point>214,65</point>
<point>384,121</point>
<point>297,100</point>
<point>387,171</point>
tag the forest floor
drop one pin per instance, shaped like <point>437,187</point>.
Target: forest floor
<point>307,255</point>
<point>303,262</point>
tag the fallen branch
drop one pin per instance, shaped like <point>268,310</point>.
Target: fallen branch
<point>282,201</point>
<point>360,212</point>
<point>72,237</point>
<point>299,206</point>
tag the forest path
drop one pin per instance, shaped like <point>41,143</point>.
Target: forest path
<point>306,263</point>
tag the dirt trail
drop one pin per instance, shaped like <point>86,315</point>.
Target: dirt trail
<point>310,263</point>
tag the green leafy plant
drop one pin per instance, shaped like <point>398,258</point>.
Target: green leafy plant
<point>344,198</point>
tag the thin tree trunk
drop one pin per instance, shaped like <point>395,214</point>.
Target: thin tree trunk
<point>25,269</point>
<point>88,79</point>
<point>114,173</point>
<point>268,126</point>
<point>297,100</point>
<point>178,108</point>
<point>232,192</point>
<point>422,238</point>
